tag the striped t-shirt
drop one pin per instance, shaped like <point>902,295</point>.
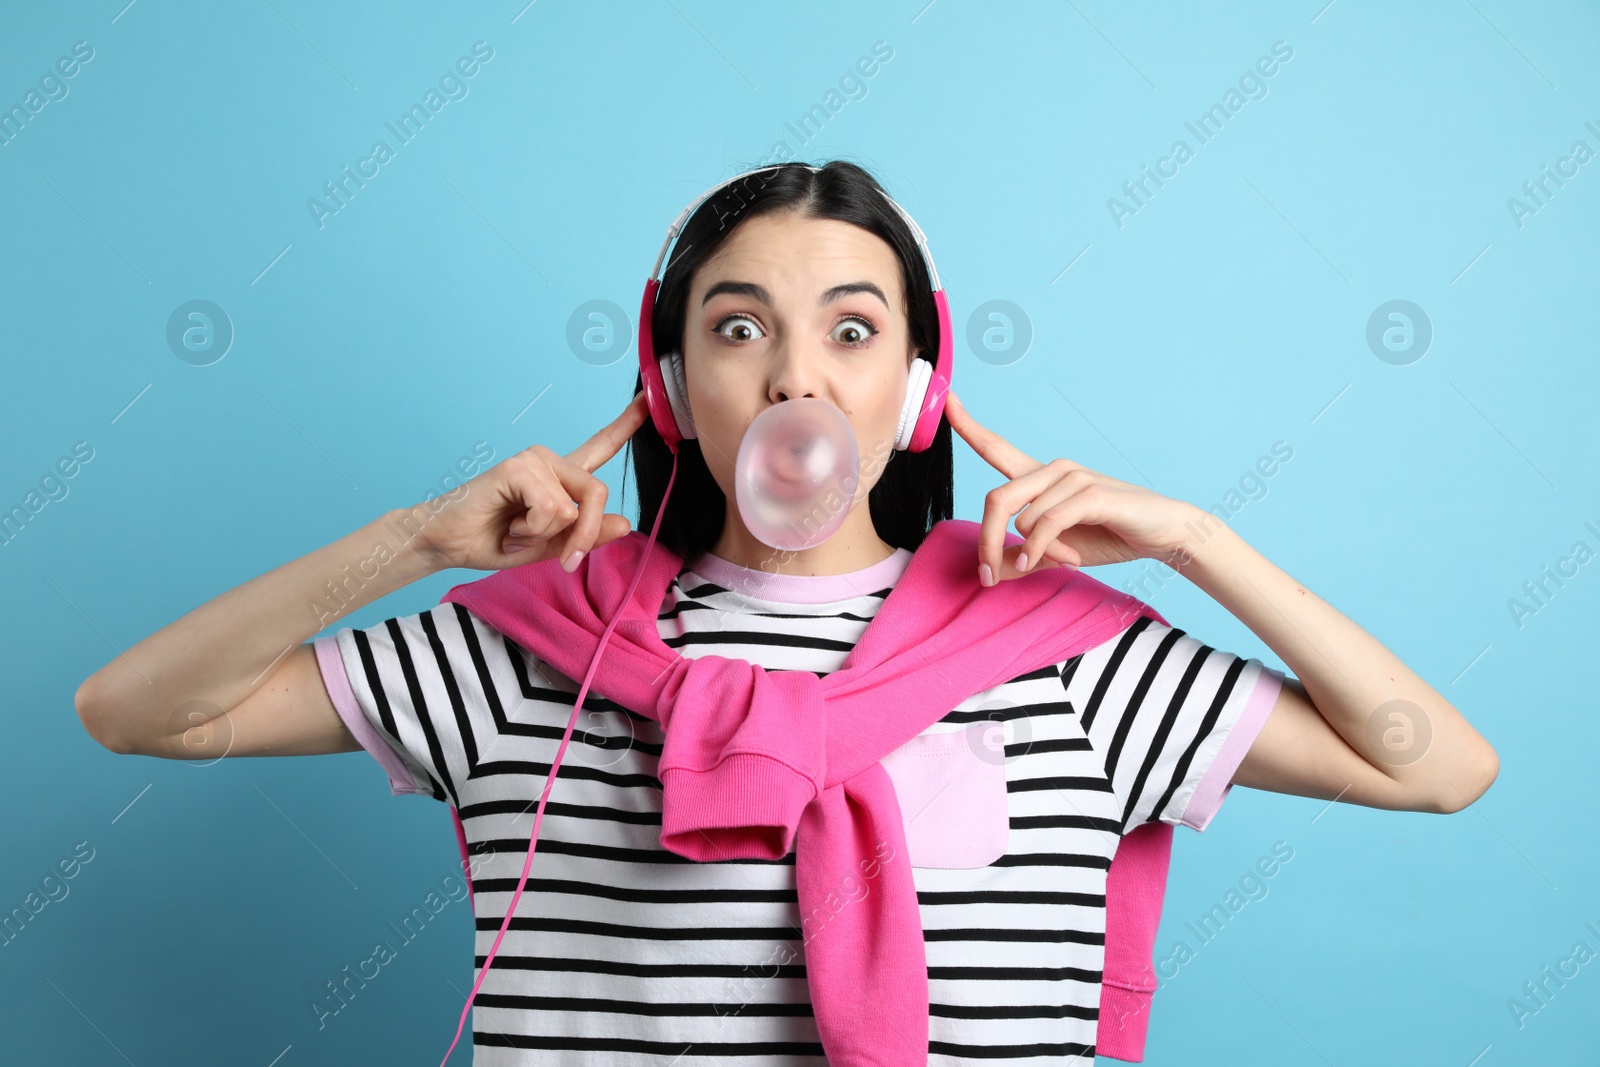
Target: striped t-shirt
<point>623,953</point>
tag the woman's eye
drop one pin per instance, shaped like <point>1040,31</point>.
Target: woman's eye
<point>853,331</point>
<point>861,336</point>
<point>747,329</point>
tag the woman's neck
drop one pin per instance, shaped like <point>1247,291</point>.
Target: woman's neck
<point>853,547</point>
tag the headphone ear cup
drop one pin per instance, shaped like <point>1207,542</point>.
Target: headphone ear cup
<point>678,393</point>
<point>916,393</point>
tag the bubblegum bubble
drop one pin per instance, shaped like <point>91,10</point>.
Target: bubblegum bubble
<point>796,473</point>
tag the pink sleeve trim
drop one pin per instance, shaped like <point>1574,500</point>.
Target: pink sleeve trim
<point>1124,1022</point>
<point>748,804</point>
<point>1136,886</point>
<point>1218,780</point>
<point>331,663</point>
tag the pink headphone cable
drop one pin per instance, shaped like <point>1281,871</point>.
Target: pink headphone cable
<point>550,781</point>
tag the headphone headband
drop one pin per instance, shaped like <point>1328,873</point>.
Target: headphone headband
<point>683,217</point>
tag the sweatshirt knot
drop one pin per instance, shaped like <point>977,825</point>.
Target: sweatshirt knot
<point>744,755</point>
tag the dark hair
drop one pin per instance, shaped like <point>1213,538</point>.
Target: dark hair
<point>916,489</point>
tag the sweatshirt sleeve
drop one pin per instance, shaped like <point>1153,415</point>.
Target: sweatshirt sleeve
<point>1171,717</point>
<point>419,693</point>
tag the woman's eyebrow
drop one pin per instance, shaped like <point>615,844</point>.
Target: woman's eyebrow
<point>758,292</point>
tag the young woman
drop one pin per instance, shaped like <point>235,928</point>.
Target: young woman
<point>804,284</point>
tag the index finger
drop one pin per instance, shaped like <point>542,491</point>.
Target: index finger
<point>608,441</point>
<point>996,451</point>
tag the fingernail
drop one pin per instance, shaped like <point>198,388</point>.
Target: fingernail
<point>985,575</point>
<point>570,564</point>
<point>515,549</point>
<point>1022,561</point>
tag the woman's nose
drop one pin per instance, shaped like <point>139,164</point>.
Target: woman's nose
<point>793,372</point>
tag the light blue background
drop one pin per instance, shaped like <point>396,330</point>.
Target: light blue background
<point>1229,313</point>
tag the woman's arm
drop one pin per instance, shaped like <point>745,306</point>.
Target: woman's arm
<point>1354,722</point>
<point>235,674</point>
<point>163,696</point>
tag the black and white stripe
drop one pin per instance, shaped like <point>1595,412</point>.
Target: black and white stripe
<point>622,953</point>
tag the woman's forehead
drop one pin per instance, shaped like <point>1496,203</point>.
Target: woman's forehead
<point>787,251</point>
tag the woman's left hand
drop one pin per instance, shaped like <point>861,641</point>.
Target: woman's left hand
<point>1075,516</point>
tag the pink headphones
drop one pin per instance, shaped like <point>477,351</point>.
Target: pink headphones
<point>668,397</point>
<point>669,407</point>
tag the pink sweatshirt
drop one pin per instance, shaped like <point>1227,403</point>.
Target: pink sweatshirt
<point>759,763</point>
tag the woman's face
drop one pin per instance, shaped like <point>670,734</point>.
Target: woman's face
<point>796,307</point>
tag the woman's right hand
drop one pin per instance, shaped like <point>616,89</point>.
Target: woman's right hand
<point>516,511</point>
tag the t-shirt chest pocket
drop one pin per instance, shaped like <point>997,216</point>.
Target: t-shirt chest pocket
<point>952,793</point>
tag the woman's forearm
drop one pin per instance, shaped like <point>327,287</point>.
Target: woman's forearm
<point>1394,719</point>
<point>212,657</point>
